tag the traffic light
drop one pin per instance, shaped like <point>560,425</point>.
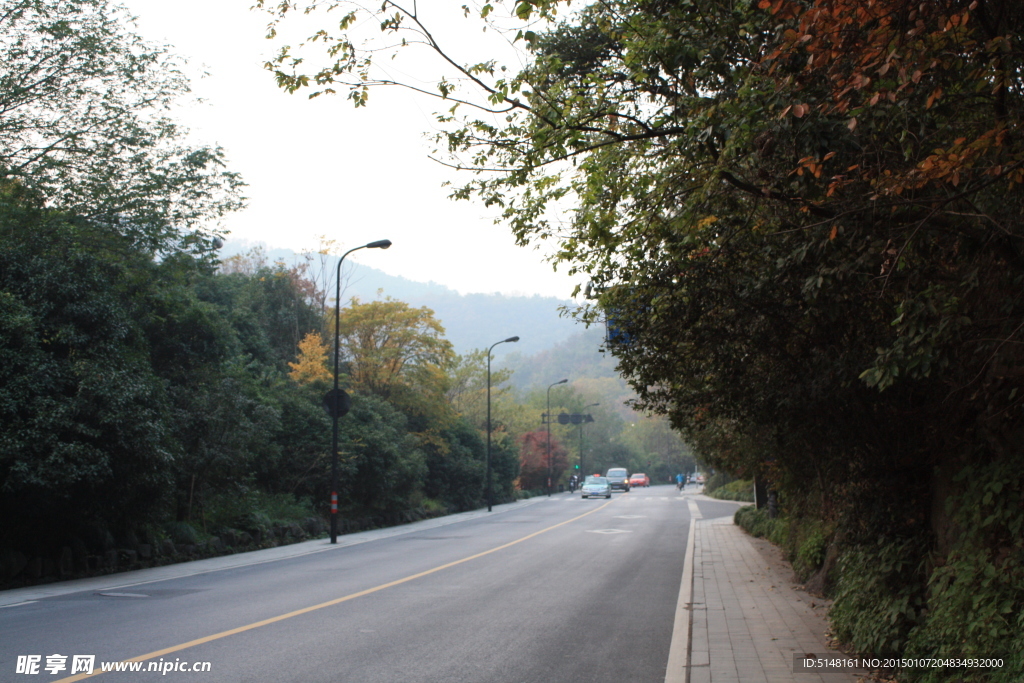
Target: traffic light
<point>577,466</point>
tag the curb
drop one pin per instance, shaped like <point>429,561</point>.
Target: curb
<point>678,668</point>
<point>21,596</point>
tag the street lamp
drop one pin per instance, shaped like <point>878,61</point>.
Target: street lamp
<point>335,402</point>
<point>592,405</point>
<point>503,341</point>
<point>561,381</point>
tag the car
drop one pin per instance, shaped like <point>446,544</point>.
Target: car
<point>596,486</point>
<point>618,478</point>
<point>639,479</point>
<point>700,478</point>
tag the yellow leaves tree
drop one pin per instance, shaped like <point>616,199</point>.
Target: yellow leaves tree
<point>389,346</point>
<point>311,362</point>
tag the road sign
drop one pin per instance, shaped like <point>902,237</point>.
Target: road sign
<point>337,403</point>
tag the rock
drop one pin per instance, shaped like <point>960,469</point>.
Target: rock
<point>127,557</point>
<point>215,545</point>
<point>244,538</point>
<point>168,547</point>
<point>257,536</point>
<point>145,551</point>
<point>110,559</point>
<point>229,537</point>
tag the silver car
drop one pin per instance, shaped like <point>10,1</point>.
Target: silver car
<point>597,486</point>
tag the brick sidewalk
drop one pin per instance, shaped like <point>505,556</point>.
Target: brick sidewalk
<point>748,621</point>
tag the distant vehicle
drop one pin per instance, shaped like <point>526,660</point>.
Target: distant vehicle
<point>639,479</point>
<point>618,477</point>
<point>597,486</point>
<point>700,478</point>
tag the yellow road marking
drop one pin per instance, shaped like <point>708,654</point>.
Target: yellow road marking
<point>329,603</point>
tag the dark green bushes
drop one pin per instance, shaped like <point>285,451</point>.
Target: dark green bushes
<point>740,489</point>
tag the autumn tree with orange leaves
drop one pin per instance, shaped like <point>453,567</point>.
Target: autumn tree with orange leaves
<point>535,462</point>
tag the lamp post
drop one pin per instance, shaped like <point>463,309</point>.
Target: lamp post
<point>379,244</point>
<point>489,488</point>
<point>592,405</point>
<point>561,381</point>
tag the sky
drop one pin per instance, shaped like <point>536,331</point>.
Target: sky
<point>324,168</point>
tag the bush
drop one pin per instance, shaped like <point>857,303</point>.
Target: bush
<point>879,595</point>
<point>717,481</point>
<point>757,523</point>
<point>741,490</point>
<point>182,532</point>
<point>811,548</point>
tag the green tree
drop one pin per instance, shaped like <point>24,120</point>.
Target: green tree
<point>83,421</point>
<point>84,100</point>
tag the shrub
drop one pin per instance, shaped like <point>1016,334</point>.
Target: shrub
<point>810,552</point>
<point>182,532</point>
<point>757,523</point>
<point>879,595</point>
<point>717,481</point>
<point>741,490</point>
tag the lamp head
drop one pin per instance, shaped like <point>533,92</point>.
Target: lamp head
<point>512,339</point>
<point>561,381</point>
<point>379,244</point>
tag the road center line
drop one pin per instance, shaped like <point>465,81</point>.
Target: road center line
<point>329,603</point>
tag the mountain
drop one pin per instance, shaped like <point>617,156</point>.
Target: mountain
<point>471,321</point>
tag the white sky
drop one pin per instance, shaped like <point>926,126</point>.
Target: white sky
<point>322,167</point>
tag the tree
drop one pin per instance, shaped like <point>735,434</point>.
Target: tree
<point>803,223</point>
<point>388,346</point>
<point>83,100</point>
<point>83,416</point>
<point>535,461</point>
<point>467,387</point>
<point>311,364</point>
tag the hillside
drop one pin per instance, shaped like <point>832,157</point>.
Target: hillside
<point>471,321</point>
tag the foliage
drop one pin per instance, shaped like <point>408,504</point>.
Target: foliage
<point>467,388</point>
<point>311,363</point>
<point>390,346</point>
<point>83,100</point>
<point>740,489</point>
<point>81,410</point>
<point>381,466</point>
<point>757,523</point>
<point>879,595</point>
<point>975,598</point>
<point>456,471</point>
<point>537,462</point>
<point>802,221</point>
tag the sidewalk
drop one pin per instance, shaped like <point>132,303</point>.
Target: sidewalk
<point>747,619</point>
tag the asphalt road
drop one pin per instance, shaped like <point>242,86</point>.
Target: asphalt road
<point>560,589</point>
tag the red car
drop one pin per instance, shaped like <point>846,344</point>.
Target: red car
<point>639,479</point>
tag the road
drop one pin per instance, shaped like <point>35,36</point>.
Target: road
<point>552,589</point>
